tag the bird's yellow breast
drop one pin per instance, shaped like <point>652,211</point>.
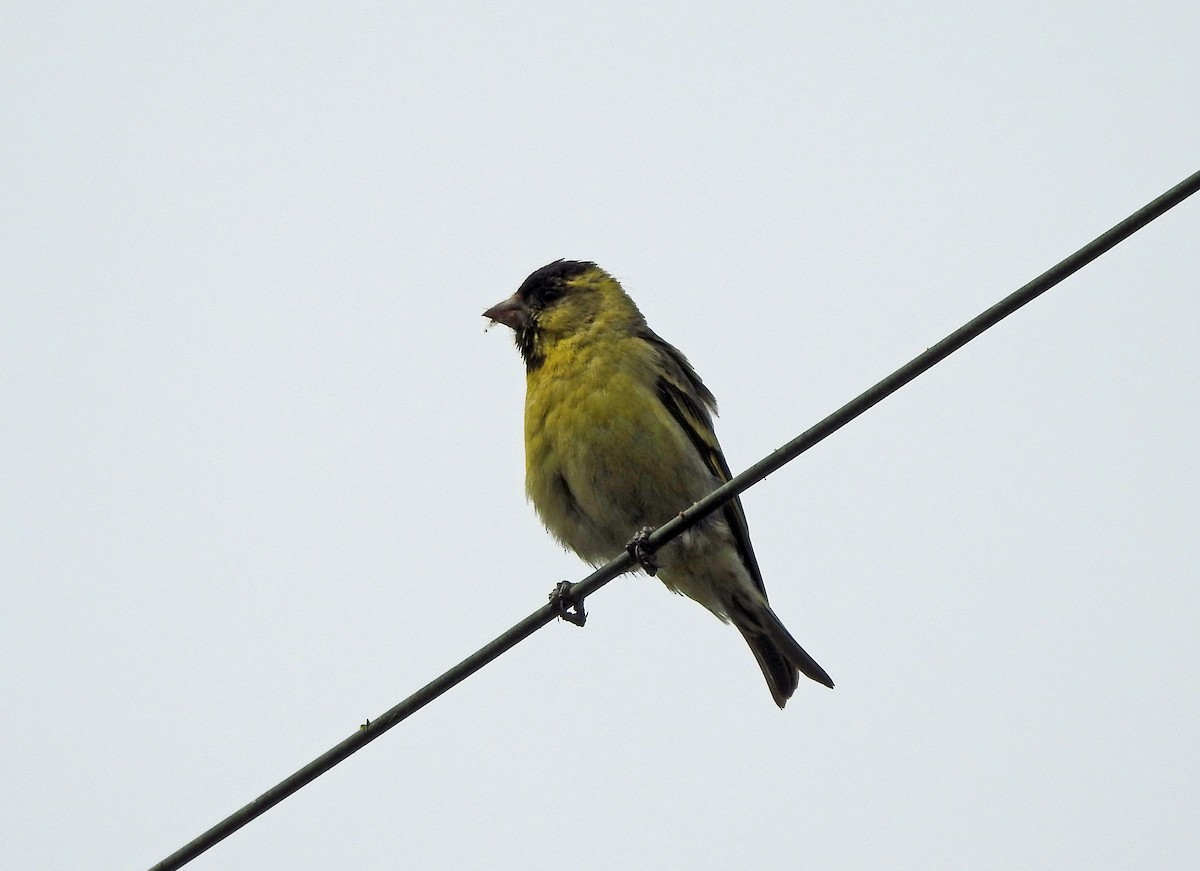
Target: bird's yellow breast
<point>603,455</point>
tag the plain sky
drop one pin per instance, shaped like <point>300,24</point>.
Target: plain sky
<point>262,476</point>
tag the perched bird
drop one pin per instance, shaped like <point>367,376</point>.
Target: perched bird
<point>619,437</point>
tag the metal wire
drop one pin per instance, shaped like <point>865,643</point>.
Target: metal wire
<point>576,592</point>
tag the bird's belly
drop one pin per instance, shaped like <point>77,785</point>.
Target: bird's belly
<point>600,466</point>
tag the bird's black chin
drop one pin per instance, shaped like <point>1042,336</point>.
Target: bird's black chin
<point>527,344</point>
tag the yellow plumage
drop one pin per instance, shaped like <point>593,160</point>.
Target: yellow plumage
<point>619,436</point>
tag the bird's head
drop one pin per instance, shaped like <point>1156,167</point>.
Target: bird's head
<point>565,300</point>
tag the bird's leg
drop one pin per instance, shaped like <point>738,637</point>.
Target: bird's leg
<point>639,548</point>
<point>567,604</point>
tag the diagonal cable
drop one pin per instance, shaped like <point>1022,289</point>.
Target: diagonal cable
<point>668,531</point>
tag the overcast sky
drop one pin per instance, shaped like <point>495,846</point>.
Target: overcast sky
<point>262,465</point>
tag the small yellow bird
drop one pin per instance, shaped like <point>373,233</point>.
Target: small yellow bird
<point>619,437</point>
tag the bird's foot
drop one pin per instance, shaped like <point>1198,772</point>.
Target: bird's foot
<point>639,548</point>
<point>567,604</point>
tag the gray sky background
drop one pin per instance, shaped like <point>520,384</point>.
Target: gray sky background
<point>262,465</point>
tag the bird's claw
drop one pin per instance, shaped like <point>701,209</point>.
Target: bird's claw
<point>567,604</point>
<point>639,548</point>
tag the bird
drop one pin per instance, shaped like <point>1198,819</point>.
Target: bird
<point>619,438</point>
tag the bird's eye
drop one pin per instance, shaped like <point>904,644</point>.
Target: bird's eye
<point>553,293</point>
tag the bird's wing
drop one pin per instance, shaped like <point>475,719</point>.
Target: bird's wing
<point>689,402</point>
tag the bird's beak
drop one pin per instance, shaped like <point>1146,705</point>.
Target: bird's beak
<point>512,313</point>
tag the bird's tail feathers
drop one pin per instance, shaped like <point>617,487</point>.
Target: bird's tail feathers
<point>779,655</point>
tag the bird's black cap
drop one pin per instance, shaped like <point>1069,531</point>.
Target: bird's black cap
<point>546,284</point>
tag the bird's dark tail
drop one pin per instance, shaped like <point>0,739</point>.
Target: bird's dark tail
<point>779,655</point>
